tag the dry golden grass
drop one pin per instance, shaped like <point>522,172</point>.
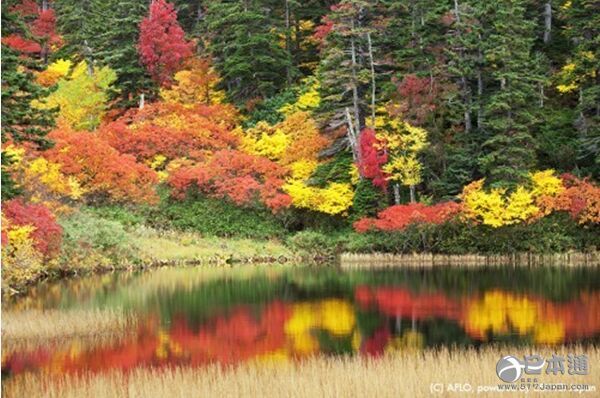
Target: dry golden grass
<point>36,325</point>
<point>406,374</point>
<point>177,245</point>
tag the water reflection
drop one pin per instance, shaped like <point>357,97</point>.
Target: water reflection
<point>188,318</point>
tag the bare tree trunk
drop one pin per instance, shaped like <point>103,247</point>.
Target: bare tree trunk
<point>541,94</point>
<point>467,99</point>
<point>373,87</point>
<point>142,101</point>
<point>87,50</point>
<point>456,13</point>
<point>412,194</point>
<point>547,21</point>
<point>463,80</point>
<point>396,193</point>
<point>479,86</point>
<point>352,136</point>
<point>355,99</point>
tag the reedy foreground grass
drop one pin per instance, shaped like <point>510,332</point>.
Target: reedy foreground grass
<point>34,325</point>
<point>400,374</point>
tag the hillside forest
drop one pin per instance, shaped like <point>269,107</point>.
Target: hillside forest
<point>451,126</point>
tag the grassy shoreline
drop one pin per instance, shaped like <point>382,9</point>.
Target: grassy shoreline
<point>401,373</point>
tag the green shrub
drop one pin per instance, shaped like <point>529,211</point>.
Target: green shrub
<point>368,200</point>
<point>220,218</point>
<point>555,233</point>
<point>313,243</point>
<point>335,170</point>
<point>128,217</point>
<point>88,238</point>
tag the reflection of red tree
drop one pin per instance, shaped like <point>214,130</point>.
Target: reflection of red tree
<point>579,317</point>
<point>234,338</point>
<point>395,302</point>
<point>226,339</point>
<point>375,345</point>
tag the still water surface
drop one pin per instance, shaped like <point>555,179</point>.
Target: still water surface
<point>193,317</point>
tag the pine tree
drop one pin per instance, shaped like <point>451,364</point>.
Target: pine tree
<point>581,75</point>
<point>247,52</point>
<point>105,33</point>
<point>513,81</point>
<point>345,72</point>
<point>20,122</point>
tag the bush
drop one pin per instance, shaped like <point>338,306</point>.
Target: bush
<point>46,234</point>
<point>313,243</point>
<point>555,233</point>
<point>127,217</point>
<point>221,218</point>
<point>368,200</point>
<point>88,238</point>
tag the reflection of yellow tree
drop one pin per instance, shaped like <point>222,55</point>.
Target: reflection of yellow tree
<point>410,340</point>
<point>500,313</point>
<point>333,316</point>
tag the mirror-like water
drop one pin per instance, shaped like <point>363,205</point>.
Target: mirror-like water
<point>193,317</point>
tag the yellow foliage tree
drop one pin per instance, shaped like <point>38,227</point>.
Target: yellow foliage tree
<point>576,73</point>
<point>335,198</point>
<point>55,71</point>
<point>82,97</point>
<point>21,262</point>
<point>196,84</point>
<point>403,143</point>
<point>42,181</point>
<point>308,99</point>
<point>498,208</point>
<point>296,137</point>
<point>265,140</point>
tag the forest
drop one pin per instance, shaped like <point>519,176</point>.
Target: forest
<point>402,126</point>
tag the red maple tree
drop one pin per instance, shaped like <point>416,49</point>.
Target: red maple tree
<point>47,235</point>
<point>162,46</point>
<point>372,158</point>
<point>396,218</point>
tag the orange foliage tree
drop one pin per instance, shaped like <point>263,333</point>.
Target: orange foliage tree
<point>243,178</point>
<point>101,171</point>
<point>172,130</point>
<point>396,218</point>
<point>580,198</point>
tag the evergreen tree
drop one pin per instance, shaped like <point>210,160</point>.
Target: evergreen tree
<point>346,71</point>
<point>247,52</point>
<point>106,32</point>
<point>513,80</point>
<point>581,76</point>
<point>20,121</point>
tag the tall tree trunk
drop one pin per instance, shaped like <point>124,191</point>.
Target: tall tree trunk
<point>373,87</point>
<point>396,193</point>
<point>547,21</point>
<point>466,95</point>
<point>352,136</point>
<point>355,100</point>
<point>479,85</point>
<point>412,194</point>
<point>288,42</point>
<point>142,101</point>
<point>87,52</point>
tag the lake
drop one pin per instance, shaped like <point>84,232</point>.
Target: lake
<point>194,316</point>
